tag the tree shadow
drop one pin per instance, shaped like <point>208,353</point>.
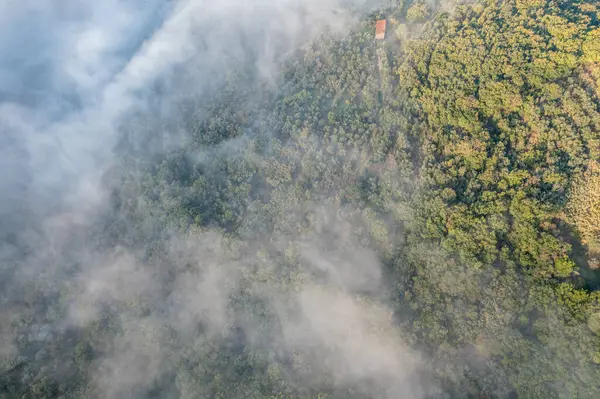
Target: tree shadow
<point>585,259</point>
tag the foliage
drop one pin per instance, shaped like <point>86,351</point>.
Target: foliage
<point>584,207</point>
<point>463,158</point>
<point>417,12</point>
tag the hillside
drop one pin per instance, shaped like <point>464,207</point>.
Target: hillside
<point>411,218</point>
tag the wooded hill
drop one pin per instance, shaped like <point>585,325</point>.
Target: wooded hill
<point>461,154</point>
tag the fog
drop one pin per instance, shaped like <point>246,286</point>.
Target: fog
<point>75,78</point>
<point>72,73</point>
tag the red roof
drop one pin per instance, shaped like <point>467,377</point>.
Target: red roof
<point>380,29</point>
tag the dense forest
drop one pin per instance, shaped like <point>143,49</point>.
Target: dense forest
<point>417,217</point>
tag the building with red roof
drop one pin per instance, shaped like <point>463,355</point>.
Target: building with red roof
<point>380,29</point>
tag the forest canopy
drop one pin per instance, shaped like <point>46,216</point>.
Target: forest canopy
<point>417,217</point>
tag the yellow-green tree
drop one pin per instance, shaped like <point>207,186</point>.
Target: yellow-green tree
<point>584,207</point>
<point>418,12</point>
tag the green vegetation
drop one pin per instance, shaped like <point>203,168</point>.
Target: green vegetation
<point>465,158</point>
<point>584,209</point>
<point>418,12</point>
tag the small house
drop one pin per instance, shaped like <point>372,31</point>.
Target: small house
<point>380,29</point>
